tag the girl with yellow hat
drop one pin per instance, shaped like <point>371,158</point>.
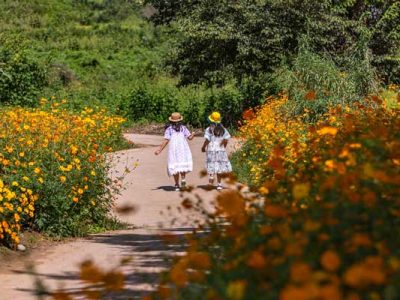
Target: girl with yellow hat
<point>216,139</point>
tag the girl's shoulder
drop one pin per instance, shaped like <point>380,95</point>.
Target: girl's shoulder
<point>168,128</point>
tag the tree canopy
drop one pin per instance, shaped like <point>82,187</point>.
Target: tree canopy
<point>248,38</point>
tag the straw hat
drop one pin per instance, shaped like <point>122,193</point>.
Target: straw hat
<point>175,117</point>
<point>215,117</point>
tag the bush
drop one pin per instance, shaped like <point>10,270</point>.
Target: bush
<point>153,102</point>
<point>229,101</point>
<point>21,79</point>
<point>316,83</point>
<point>53,174</point>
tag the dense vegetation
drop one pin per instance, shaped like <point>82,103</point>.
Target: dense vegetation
<point>88,51</point>
<point>98,52</point>
<point>242,39</point>
<point>321,222</point>
<point>54,176</point>
<point>193,56</point>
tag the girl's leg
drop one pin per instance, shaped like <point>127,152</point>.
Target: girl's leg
<point>183,179</point>
<point>211,179</point>
<point>219,178</point>
<point>176,179</point>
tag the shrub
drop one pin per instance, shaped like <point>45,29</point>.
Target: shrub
<point>21,79</point>
<point>317,83</point>
<point>53,174</point>
<point>229,101</point>
<point>153,102</point>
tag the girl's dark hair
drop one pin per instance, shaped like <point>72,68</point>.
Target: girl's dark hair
<point>218,130</point>
<point>177,126</point>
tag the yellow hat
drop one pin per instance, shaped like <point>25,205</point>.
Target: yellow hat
<point>215,117</point>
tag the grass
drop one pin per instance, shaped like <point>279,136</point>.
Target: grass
<point>94,51</point>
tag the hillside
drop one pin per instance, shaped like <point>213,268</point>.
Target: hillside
<point>91,51</point>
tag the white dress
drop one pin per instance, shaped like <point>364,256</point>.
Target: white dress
<point>179,154</point>
<point>217,161</point>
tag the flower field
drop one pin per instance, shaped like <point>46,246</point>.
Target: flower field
<point>325,219</point>
<point>53,176</point>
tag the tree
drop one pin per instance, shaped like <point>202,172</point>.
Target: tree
<point>227,39</point>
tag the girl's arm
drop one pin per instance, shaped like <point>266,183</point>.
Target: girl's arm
<point>191,136</point>
<point>206,142</point>
<point>226,138</point>
<point>224,143</point>
<point>162,146</point>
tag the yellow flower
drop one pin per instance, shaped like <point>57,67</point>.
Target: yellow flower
<point>37,170</point>
<point>74,150</point>
<point>301,190</point>
<point>236,289</point>
<point>63,178</point>
<point>330,164</point>
<point>17,217</point>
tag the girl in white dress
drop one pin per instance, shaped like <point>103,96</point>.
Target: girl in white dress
<point>216,139</point>
<point>180,159</point>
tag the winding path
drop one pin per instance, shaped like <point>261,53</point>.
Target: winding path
<point>147,188</point>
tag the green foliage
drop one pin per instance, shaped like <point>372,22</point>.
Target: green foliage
<point>224,39</point>
<point>93,50</point>
<point>21,79</point>
<point>316,83</point>
<point>155,102</point>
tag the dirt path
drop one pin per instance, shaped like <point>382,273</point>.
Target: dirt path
<point>149,189</point>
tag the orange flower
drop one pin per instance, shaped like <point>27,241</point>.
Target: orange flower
<point>256,260</point>
<point>305,292</point>
<point>178,273</point>
<point>330,260</point>
<point>330,292</point>
<point>248,114</point>
<point>369,272</point>
<point>199,260</point>
<point>90,272</point>
<point>311,95</point>
<point>114,281</point>
<point>232,203</point>
<point>328,130</point>
<point>300,272</point>
<point>275,211</point>
<point>164,292</point>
